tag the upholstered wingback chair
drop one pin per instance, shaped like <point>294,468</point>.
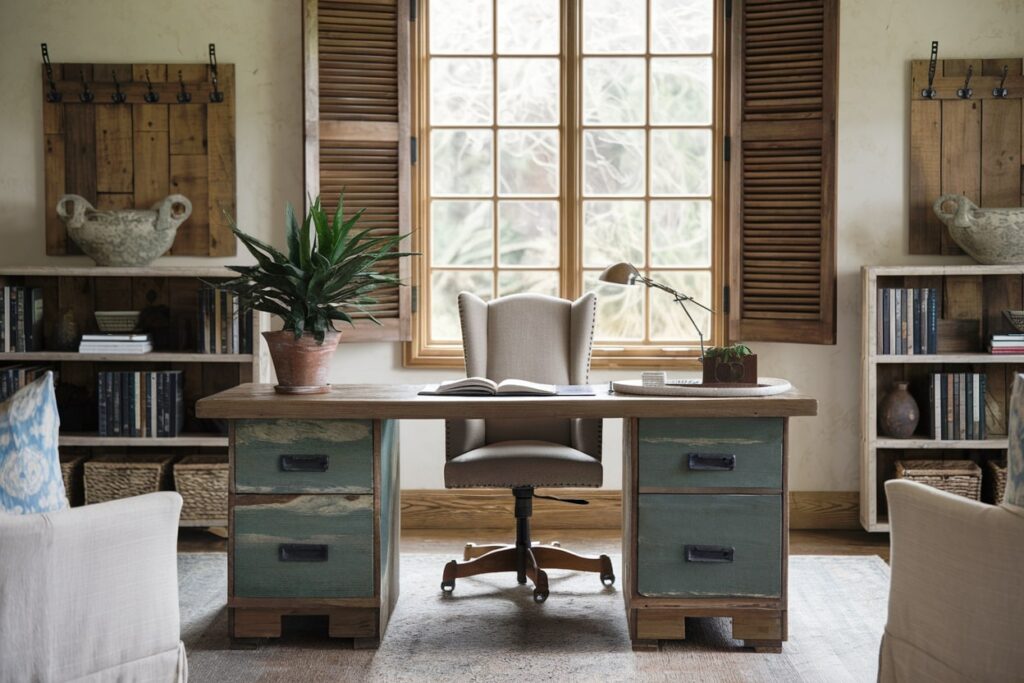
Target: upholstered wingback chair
<point>540,339</point>
<point>956,599</point>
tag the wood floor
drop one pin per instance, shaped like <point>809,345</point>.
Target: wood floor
<point>587,541</point>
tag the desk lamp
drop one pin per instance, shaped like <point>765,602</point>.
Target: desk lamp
<point>623,273</point>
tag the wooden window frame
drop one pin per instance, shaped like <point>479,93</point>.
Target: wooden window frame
<point>418,352</point>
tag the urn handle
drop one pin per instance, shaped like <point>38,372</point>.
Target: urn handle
<point>959,218</point>
<point>76,216</point>
<point>172,211</point>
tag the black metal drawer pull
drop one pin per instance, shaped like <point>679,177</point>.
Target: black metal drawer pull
<point>717,462</point>
<point>305,463</point>
<point>709,553</point>
<point>302,552</point>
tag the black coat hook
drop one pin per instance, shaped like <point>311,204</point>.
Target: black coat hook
<point>184,97</point>
<point>151,95</point>
<point>929,92</point>
<point>52,95</point>
<point>117,97</point>
<point>215,95</point>
<point>1001,92</point>
<point>86,95</point>
<point>965,92</point>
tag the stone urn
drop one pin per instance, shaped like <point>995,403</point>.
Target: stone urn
<point>898,413</point>
<point>302,365</point>
<point>989,236</point>
<point>127,237</point>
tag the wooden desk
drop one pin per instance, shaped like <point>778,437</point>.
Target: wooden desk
<point>705,520</point>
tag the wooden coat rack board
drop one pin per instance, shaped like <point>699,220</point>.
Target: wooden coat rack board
<point>132,155</point>
<point>963,146</point>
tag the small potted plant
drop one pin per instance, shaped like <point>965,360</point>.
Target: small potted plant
<point>329,273</point>
<point>735,364</point>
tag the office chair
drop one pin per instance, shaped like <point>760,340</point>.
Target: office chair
<point>540,339</point>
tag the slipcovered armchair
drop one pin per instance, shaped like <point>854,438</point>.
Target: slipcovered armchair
<point>539,339</point>
<point>956,599</point>
<point>91,593</point>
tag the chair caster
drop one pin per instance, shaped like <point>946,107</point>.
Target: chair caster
<point>448,578</point>
<point>539,596</point>
<point>448,587</point>
<point>608,579</point>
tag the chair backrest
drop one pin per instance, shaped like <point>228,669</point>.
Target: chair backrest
<point>1014,494</point>
<point>532,337</point>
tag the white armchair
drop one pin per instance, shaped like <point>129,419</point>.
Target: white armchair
<point>91,593</point>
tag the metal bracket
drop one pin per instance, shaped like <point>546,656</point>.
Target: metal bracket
<point>52,95</point>
<point>216,95</point>
<point>929,92</point>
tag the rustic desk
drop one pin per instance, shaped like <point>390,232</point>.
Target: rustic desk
<point>314,505</point>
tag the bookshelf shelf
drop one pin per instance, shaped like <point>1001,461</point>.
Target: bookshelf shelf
<point>171,310</point>
<point>152,357</point>
<point>970,300</point>
<point>187,440</point>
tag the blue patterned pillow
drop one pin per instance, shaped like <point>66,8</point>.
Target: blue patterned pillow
<point>1015,451</point>
<point>30,478</point>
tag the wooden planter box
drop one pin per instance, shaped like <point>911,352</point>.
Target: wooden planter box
<point>743,371</point>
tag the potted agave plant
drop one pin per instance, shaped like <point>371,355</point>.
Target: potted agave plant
<point>330,271</point>
<point>735,364</point>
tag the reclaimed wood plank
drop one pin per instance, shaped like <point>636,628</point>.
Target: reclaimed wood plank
<point>220,133</point>
<point>961,156</point>
<point>152,168</point>
<point>113,148</point>
<point>150,117</point>
<point>345,447</point>
<point>1000,153</point>
<point>54,163</point>
<point>755,444</point>
<point>342,525</point>
<point>187,127</point>
<point>189,177</point>
<point>925,175</point>
<point>53,112</point>
<point>113,201</point>
<point>80,149</point>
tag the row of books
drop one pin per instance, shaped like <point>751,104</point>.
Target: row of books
<point>907,321</point>
<point>21,319</point>
<point>1006,344</point>
<point>223,326</point>
<point>14,377</point>
<point>956,401</point>
<point>115,343</point>
<point>140,403</point>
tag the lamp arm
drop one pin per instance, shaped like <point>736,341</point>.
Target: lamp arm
<point>700,335</point>
<point>679,296</point>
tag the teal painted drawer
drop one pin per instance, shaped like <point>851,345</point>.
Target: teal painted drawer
<point>711,452</point>
<point>304,456</point>
<point>709,545</point>
<point>304,547</point>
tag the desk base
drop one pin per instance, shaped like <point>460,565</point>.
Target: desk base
<point>760,629</point>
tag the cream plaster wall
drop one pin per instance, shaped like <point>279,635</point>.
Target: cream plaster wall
<point>262,38</point>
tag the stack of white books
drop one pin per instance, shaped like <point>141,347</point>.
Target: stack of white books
<point>115,343</point>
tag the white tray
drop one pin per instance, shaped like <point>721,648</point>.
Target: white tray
<point>766,386</point>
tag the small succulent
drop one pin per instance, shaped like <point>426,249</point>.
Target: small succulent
<point>328,272</point>
<point>728,354</point>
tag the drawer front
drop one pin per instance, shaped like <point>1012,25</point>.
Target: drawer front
<point>304,547</point>
<point>711,452</point>
<point>709,545</point>
<point>304,456</point>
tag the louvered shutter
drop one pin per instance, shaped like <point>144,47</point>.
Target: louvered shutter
<point>357,131</point>
<point>782,171</point>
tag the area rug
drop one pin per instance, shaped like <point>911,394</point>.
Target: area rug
<point>491,630</point>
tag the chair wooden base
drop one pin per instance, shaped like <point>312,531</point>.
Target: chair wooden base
<point>490,559</point>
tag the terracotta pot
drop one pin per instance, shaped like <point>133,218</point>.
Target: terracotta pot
<point>743,371</point>
<point>898,413</point>
<point>302,364</point>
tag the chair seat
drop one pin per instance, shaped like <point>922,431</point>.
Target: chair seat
<point>510,464</point>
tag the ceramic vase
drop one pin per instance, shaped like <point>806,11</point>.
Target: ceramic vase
<point>898,413</point>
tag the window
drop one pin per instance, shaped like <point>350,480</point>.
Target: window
<point>547,154</point>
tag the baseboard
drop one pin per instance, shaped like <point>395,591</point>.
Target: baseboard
<point>435,509</point>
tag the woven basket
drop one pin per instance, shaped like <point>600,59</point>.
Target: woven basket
<point>202,481</point>
<point>109,477</point>
<point>71,473</point>
<point>997,474</point>
<point>962,477</point>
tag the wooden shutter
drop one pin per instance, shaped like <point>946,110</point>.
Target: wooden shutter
<point>357,130</point>
<point>782,171</point>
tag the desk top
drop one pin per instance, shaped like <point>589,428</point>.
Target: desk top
<point>400,401</point>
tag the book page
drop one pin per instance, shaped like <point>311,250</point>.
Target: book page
<point>521,386</point>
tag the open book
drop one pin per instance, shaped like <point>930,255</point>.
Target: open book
<point>481,386</point>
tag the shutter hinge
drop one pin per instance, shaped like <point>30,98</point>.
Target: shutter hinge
<point>728,9</point>
<point>725,299</point>
<point>412,10</point>
<point>414,150</point>
<point>414,298</point>
<point>727,148</point>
